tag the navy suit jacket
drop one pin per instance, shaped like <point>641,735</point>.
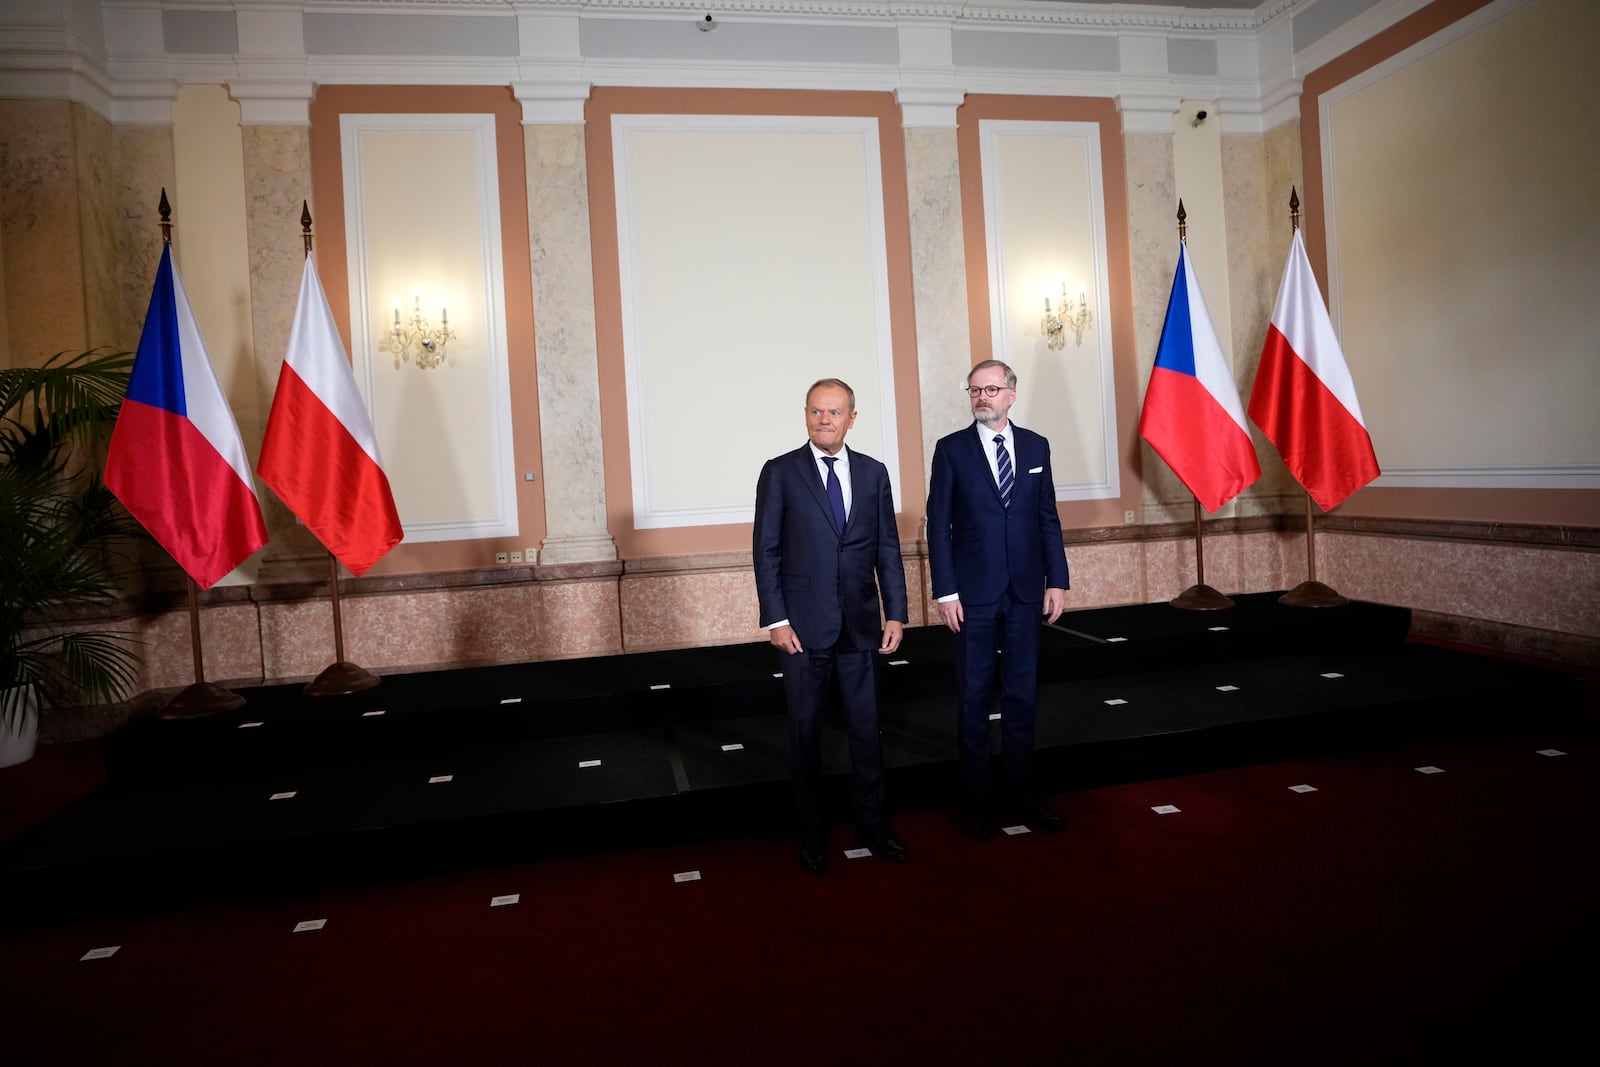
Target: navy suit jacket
<point>820,581</point>
<point>977,547</point>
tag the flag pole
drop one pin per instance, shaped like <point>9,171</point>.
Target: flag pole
<point>339,677</point>
<point>1200,596</point>
<point>1309,593</point>
<point>201,697</point>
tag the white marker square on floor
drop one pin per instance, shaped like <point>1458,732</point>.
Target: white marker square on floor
<point>1302,789</point>
<point>588,763</point>
<point>686,876</point>
<point>778,674</point>
<point>1114,701</point>
<point>1166,809</point>
<point>1332,674</point>
<point>502,901</point>
<point>735,747</point>
<point>857,853</point>
<point>1551,752</point>
<point>899,662</point>
<point>374,713</point>
<point>436,779</point>
<point>511,700</point>
<point>1430,770</point>
<point>1227,689</point>
<point>1114,640</point>
<point>99,953</point>
<point>309,924</point>
<point>663,685</point>
<point>995,717</point>
<point>283,796</point>
<point>1215,629</point>
<point>248,725</point>
<point>1013,831</point>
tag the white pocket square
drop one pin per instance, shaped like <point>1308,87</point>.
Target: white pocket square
<point>1035,470</point>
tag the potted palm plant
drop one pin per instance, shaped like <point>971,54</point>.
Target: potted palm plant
<point>59,530</point>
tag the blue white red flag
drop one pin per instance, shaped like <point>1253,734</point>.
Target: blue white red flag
<point>1192,415</point>
<point>1304,399</point>
<point>176,461</point>
<point>320,454</point>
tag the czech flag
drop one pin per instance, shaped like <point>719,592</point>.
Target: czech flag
<point>320,454</point>
<point>1304,399</point>
<point>176,461</point>
<point>1192,416</point>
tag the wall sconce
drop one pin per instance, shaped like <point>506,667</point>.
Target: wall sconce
<point>417,340</point>
<point>1069,315</point>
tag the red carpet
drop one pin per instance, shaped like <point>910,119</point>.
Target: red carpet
<point>1390,916</point>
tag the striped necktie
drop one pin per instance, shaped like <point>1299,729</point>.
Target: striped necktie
<point>1002,460</point>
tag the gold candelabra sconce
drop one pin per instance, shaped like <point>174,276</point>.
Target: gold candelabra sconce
<point>1069,314</point>
<point>416,339</point>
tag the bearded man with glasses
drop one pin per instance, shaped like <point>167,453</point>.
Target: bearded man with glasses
<point>995,550</point>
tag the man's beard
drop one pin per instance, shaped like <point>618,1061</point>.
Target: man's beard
<point>988,417</point>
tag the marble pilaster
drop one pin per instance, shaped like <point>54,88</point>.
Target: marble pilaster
<point>939,282</point>
<point>41,229</point>
<point>277,181</point>
<point>145,165</point>
<point>1153,240</point>
<point>564,337</point>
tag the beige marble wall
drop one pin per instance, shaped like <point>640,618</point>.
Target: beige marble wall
<point>1153,240</point>
<point>1547,589</point>
<point>41,229</point>
<point>696,608</point>
<point>563,313</point>
<point>939,282</point>
<point>277,179</point>
<point>144,166</point>
<point>95,150</point>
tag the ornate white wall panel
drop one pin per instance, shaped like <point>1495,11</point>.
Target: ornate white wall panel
<point>1044,217</point>
<point>422,213</point>
<point>752,263</point>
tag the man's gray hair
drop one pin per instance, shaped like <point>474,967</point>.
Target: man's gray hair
<point>837,383</point>
<point>1011,375</point>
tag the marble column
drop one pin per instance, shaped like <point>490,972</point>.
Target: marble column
<point>277,181</point>
<point>939,282</point>
<point>41,227</point>
<point>563,315</point>
<point>145,164</point>
<point>1153,237</point>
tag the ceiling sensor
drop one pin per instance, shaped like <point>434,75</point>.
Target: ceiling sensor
<point>707,24</point>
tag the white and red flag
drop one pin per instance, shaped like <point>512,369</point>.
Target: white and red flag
<point>1304,399</point>
<point>320,453</point>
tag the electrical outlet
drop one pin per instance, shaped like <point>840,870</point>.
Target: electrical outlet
<point>499,557</point>
<point>1127,518</point>
<point>516,557</point>
<point>531,554</point>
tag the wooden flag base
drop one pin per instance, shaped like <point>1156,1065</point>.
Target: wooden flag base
<point>201,699</point>
<point>1200,598</point>
<point>339,679</point>
<point>1312,594</point>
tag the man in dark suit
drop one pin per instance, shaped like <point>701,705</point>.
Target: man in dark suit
<point>825,546</point>
<point>994,547</point>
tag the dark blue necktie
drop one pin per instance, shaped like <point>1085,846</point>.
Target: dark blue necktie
<point>835,494</point>
<point>1003,463</point>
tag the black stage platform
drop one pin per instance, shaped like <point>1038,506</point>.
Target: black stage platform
<point>505,763</point>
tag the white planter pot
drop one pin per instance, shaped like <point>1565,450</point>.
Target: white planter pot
<point>19,724</point>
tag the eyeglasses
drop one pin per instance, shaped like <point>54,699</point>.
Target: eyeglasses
<point>990,391</point>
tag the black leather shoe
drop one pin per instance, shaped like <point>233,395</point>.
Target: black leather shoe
<point>978,823</point>
<point>814,850</point>
<point>1039,817</point>
<point>884,844</point>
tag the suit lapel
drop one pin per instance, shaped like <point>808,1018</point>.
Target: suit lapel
<point>806,464</point>
<point>976,446</point>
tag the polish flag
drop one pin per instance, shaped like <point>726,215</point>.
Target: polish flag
<point>1192,416</point>
<point>1304,399</point>
<point>175,459</point>
<point>320,453</point>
